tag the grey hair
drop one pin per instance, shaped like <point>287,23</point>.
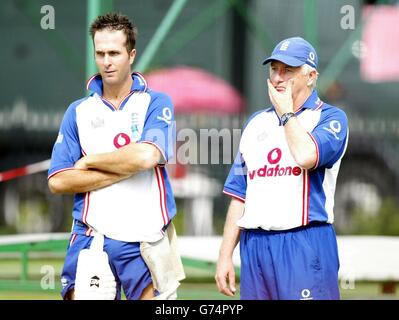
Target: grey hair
<point>306,69</point>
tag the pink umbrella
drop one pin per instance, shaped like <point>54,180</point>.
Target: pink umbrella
<point>195,90</point>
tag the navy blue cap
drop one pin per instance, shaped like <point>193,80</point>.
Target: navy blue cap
<point>294,52</point>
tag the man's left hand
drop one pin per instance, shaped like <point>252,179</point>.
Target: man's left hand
<point>282,101</point>
<point>81,164</point>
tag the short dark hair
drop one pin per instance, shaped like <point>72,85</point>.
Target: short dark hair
<point>116,21</point>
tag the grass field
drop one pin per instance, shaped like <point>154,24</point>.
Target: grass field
<point>199,284</point>
<point>206,291</point>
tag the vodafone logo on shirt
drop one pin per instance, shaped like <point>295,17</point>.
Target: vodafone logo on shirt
<point>273,169</point>
<point>121,140</point>
<point>274,156</point>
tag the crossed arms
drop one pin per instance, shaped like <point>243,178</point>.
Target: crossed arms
<point>101,170</point>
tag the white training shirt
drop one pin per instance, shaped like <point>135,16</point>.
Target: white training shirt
<point>135,209</point>
<point>278,194</point>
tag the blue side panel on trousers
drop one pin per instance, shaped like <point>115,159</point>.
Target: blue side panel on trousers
<point>125,260</point>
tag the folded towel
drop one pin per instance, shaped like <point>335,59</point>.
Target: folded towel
<point>165,265</point>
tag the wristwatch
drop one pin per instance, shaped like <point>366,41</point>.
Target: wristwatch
<point>286,116</point>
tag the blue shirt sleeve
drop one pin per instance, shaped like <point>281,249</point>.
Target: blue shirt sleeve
<point>331,136</point>
<point>236,182</point>
<point>66,150</point>
<point>160,126</point>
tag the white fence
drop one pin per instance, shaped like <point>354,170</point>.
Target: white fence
<point>362,258</point>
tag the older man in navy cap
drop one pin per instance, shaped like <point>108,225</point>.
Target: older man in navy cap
<point>282,185</point>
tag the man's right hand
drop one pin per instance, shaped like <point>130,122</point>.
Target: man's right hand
<point>225,276</point>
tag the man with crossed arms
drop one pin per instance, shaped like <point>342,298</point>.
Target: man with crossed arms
<point>110,152</point>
